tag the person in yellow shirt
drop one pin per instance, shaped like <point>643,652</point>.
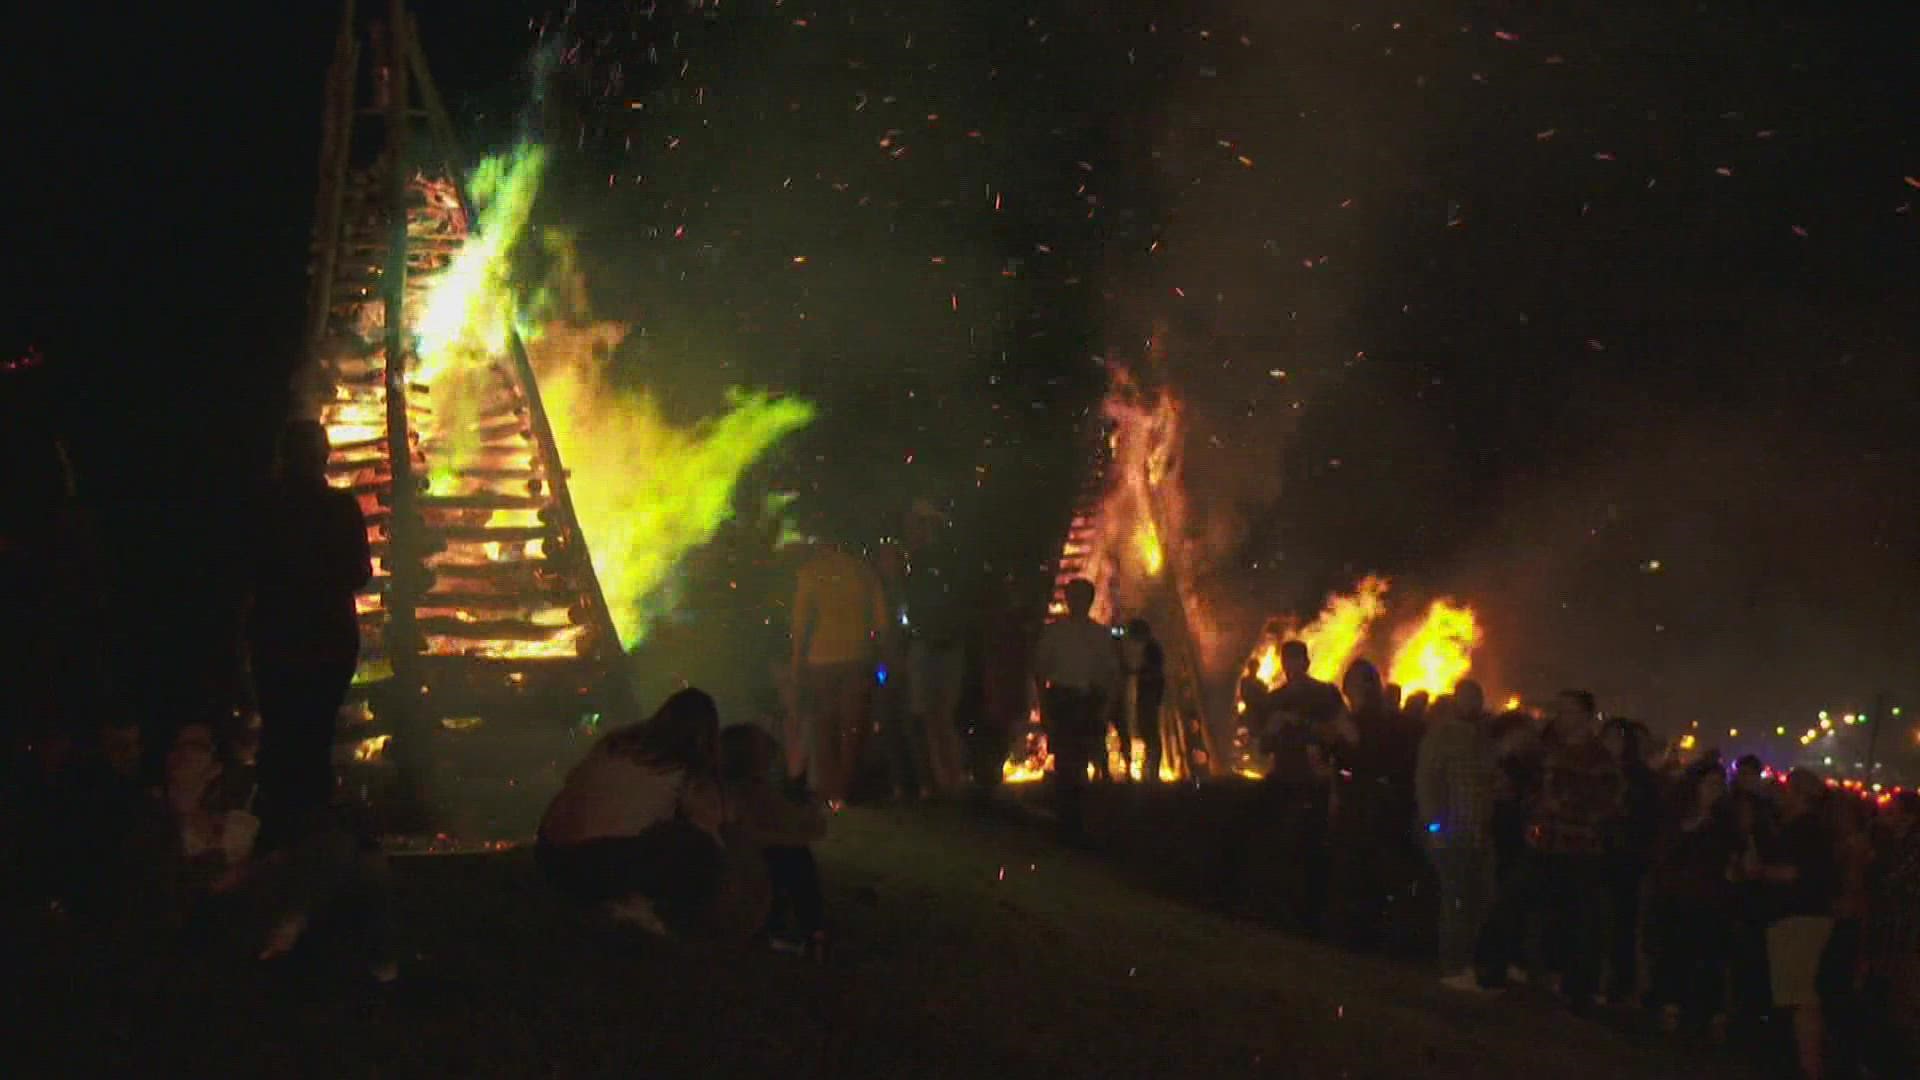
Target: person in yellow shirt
<point>839,612</point>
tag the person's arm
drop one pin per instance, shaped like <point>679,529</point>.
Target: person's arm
<point>1043,663</point>
<point>1114,675</point>
<point>356,557</point>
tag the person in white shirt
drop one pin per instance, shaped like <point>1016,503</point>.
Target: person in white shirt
<point>636,826</point>
<point>1077,668</point>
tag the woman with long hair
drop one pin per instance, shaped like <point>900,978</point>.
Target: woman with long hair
<point>636,827</point>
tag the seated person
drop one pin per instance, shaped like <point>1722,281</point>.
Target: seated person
<point>635,828</point>
<point>762,816</point>
<point>197,856</point>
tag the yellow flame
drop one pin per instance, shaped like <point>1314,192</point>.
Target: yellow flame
<point>469,309</point>
<point>1436,654</point>
<point>1146,540</point>
<point>1332,638</point>
<point>646,491</point>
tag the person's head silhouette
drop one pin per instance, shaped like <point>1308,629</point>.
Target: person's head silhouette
<point>303,452</point>
<point>1079,597</point>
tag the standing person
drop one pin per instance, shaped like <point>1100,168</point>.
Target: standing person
<point>1297,721</point>
<point>1453,784</point>
<point>1687,926</point>
<point>1755,815</point>
<point>1006,650</point>
<point>1629,856</point>
<point>1077,671</point>
<point>1374,752</point>
<point>936,626</point>
<point>1519,752</point>
<point>1802,879</point>
<point>839,612</point>
<point>1892,942</point>
<point>1147,665</point>
<point>905,750</point>
<point>302,630</point>
<point>1580,800</point>
<point>1842,963</point>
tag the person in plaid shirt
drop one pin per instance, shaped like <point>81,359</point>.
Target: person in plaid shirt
<point>1582,798</point>
<point>1559,884</point>
<point>1454,784</point>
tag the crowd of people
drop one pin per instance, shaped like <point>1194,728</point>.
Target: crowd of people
<point>1566,848</point>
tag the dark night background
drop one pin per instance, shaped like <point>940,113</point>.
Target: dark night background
<point>1555,292</point>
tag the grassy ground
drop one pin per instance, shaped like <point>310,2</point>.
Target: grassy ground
<point>972,947</point>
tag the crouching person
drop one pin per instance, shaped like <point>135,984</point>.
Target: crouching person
<point>763,818</point>
<point>204,875</point>
<point>635,829</point>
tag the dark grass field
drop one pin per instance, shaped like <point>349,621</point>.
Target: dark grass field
<point>971,947</point>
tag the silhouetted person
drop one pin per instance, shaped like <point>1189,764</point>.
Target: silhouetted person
<point>782,829</point>
<point>1629,856</point>
<point>937,631</point>
<point>1563,875</point>
<point>1470,702</point>
<point>1296,725</point>
<point>1801,876</point>
<point>1688,924</point>
<point>1077,669</point>
<point>635,828</point>
<point>303,632</point>
<point>1147,663</point>
<point>1374,750</point>
<point>1416,706</point>
<point>1006,650</point>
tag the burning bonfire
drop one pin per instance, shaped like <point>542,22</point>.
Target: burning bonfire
<point>1128,537</point>
<point>484,580</point>
<point>1430,654</point>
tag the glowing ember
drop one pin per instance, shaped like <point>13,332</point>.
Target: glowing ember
<point>1435,655</point>
<point>371,749</point>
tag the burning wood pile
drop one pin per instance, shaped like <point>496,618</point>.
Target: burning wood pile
<point>482,591</point>
<point>1430,653</point>
<point>1126,536</point>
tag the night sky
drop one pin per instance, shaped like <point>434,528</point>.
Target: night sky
<point>1551,294</point>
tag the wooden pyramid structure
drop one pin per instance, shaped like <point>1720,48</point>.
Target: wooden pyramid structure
<point>484,603</point>
<point>1184,731</point>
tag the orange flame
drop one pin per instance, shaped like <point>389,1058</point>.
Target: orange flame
<point>1332,638</point>
<point>1436,654</point>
